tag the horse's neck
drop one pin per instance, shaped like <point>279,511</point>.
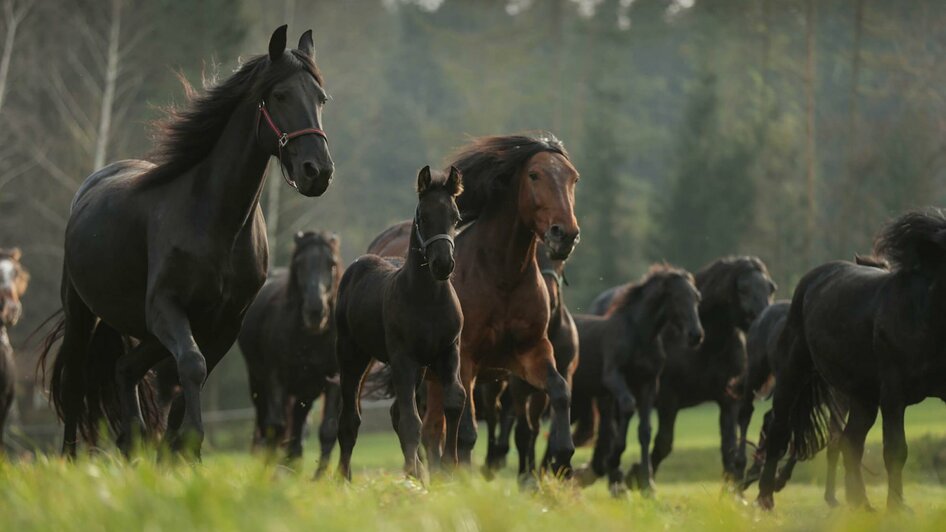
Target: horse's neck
<point>505,245</point>
<point>230,179</point>
<point>415,270</point>
<point>645,322</point>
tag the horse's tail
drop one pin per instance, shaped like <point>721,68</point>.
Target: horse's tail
<point>813,404</point>
<point>583,417</point>
<point>378,383</point>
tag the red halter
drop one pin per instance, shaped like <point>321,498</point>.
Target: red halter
<point>284,138</point>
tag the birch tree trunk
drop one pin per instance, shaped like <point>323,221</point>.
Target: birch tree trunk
<point>108,90</point>
<point>12,17</point>
<point>810,131</point>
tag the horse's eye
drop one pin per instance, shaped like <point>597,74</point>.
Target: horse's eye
<point>533,176</point>
<point>323,100</point>
<point>279,96</point>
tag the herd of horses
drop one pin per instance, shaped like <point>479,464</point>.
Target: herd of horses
<point>459,313</point>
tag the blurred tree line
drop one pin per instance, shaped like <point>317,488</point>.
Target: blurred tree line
<point>787,129</point>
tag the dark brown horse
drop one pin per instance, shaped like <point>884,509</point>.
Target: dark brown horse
<point>172,254</point>
<point>621,363</point>
<point>288,342</point>
<point>875,335</point>
<point>13,282</point>
<point>409,317</point>
<point>519,190</point>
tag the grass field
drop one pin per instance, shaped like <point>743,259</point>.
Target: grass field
<point>234,491</point>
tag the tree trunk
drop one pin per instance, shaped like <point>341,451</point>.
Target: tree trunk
<point>13,19</point>
<point>108,92</point>
<point>847,201</point>
<point>810,131</point>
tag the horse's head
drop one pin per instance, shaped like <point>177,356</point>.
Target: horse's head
<point>13,283</point>
<point>436,219</point>
<point>314,274</point>
<point>754,291</point>
<point>547,201</point>
<point>681,306</point>
<point>289,125</point>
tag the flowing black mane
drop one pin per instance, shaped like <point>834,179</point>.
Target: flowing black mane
<point>187,135</point>
<point>488,164</point>
<point>914,241</point>
<point>717,280</point>
<point>632,292</point>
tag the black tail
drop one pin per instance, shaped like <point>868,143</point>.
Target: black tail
<point>378,383</point>
<point>82,379</point>
<point>813,405</point>
<point>583,417</point>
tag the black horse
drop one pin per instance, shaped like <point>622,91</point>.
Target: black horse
<point>764,366</point>
<point>873,334</point>
<point>13,282</point>
<point>622,356</point>
<point>172,254</point>
<point>409,317</point>
<point>734,290</point>
<point>288,342</point>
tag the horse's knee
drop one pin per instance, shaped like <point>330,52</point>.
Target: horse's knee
<point>192,368</point>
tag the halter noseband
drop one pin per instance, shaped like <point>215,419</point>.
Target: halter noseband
<point>559,278</point>
<point>425,243</point>
<point>283,138</point>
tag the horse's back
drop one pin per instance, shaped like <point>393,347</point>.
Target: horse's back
<point>761,344</point>
<point>359,311</point>
<point>591,330</point>
<point>601,303</point>
<point>393,241</point>
<point>115,173</point>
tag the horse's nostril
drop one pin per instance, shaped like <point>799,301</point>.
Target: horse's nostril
<point>310,169</point>
<point>556,231</point>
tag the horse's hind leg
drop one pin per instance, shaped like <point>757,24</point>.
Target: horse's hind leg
<point>491,392</point>
<point>746,409</point>
<point>432,431</point>
<point>859,422</point>
<point>129,370</point>
<point>895,444</point>
<point>834,450</point>
<point>79,325</point>
<point>353,365</point>
<point>328,430</point>
<point>663,442</point>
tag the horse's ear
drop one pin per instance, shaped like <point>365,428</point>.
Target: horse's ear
<point>772,286</point>
<point>455,181</point>
<point>423,179</point>
<point>277,43</point>
<point>334,240</point>
<point>305,44</point>
<point>299,236</point>
<point>15,254</point>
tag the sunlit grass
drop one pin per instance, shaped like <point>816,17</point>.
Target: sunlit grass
<point>236,491</point>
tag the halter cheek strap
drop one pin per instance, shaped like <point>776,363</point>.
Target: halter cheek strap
<point>283,138</point>
<point>425,243</point>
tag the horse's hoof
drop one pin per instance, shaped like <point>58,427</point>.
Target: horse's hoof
<point>766,502</point>
<point>528,483</point>
<point>585,476</point>
<point>617,490</point>
<point>487,472</point>
<point>832,502</point>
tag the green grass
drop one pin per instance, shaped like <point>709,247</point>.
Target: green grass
<point>235,491</point>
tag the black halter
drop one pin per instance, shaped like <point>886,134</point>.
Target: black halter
<point>425,243</point>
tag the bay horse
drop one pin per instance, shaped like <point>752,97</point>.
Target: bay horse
<point>763,368</point>
<point>172,253</point>
<point>734,291</point>
<point>408,316</point>
<point>288,343</point>
<point>522,403</point>
<point>518,190</point>
<point>874,335</point>
<point>14,280</point>
<point>622,357</point>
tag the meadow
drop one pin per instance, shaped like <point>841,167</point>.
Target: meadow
<point>238,491</point>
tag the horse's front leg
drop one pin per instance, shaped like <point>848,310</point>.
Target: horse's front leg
<point>406,375</point>
<point>646,397</point>
<point>328,429</point>
<point>728,412</point>
<point>537,367</point>
<point>170,325</point>
<point>454,400</point>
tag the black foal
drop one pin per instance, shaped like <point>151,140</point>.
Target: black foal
<point>408,317</point>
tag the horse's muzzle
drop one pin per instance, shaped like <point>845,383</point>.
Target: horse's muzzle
<point>561,242</point>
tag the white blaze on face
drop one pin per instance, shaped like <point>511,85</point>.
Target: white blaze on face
<point>7,273</point>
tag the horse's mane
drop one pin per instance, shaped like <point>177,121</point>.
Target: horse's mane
<point>715,281</point>
<point>488,164</point>
<point>913,241</point>
<point>22,276</point>
<point>630,293</point>
<point>871,261</point>
<point>185,136</point>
